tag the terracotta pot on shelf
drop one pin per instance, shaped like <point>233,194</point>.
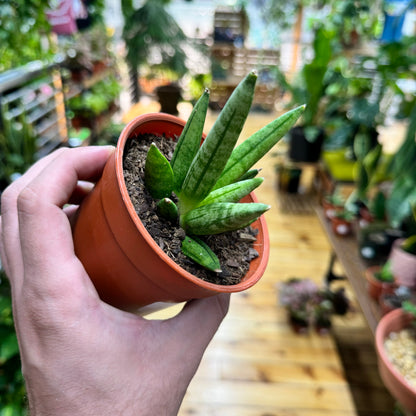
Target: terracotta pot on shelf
<point>341,226</point>
<point>127,267</point>
<point>395,382</point>
<point>330,209</point>
<point>376,287</point>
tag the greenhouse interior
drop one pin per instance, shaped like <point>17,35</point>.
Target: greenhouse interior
<point>292,187</point>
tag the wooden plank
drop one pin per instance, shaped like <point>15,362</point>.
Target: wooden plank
<point>206,409</point>
<point>279,395</point>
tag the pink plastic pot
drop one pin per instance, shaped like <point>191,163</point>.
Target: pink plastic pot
<point>399,388</point>
<point>403,265</point>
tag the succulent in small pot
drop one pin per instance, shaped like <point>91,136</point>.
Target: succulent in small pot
<point>341,222</point>
<point>332,203</point>
<point>199,188</point>
<point>380,279</point>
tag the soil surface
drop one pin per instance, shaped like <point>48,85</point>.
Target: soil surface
<point>234,249</point>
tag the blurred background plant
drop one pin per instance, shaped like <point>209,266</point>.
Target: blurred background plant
<point>17,148</point>
<point>12,388</point>
<point>24,33</point>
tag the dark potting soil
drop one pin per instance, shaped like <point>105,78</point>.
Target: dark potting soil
<point>234,249</point>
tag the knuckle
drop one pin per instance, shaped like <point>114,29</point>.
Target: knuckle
<point>27,200</point>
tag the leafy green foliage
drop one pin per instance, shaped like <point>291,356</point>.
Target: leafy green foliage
<point>97,99</point>
<point>12,388</point>
<point>17,148</point>
<point>309,86</point>
<point>22,26</point>
<point>385,274</point>
<point>409,244</point>
<point>403,193</point>
<point>207,178</point>
<point>151,28</point>
<point>410,307</point>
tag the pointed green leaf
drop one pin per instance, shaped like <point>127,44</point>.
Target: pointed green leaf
<point>212,156</point>
<point>233,192</point>
<point>158,174</point>
<point>189,141</point>
<point>221,217</point>
<point>409,245</point>
<point>256,146</point>
<point>166,208</point>
<point>250,174</point>
<point>198,251</point>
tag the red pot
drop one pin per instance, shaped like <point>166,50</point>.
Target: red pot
<point>401,390</point>
<point>341,226</point>
<point>376,287</point>
<point>330,209</point>
<point>127,267</point>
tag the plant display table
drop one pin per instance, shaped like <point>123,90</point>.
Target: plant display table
<point>345,250</point>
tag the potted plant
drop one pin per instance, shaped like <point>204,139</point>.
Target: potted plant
<point>380,279</point>
<point>396,345</point>
<point>296,296</point>
<point>157,34</point>
<point>306,139</point>
<point>332,203</point>
<point>403,259</point>
<point>341,222</point>
<point>288,177</point>
<point>132,270</point>
<point>393,299</point>
<point>307,304</point>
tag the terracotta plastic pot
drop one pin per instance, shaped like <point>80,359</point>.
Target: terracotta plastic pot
<point>376,287</point>
<point>403,265</point>
<point>399,388</point>
<point>330,209</point>
<point>341,226</point>
<point>127,267</point>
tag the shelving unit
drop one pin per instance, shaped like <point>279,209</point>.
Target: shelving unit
<point>231,61</point>
<point>35,93</point>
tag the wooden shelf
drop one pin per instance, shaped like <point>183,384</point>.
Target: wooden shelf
<point>346,250</point>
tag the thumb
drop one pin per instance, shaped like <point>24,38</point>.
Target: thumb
<point>199,321</point>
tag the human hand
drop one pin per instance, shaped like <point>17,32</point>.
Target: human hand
<point>81,356</point>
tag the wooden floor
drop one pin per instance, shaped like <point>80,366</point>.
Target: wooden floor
<point>255,365</point>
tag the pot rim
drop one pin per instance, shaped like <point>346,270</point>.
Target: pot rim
<point>381,335</point>
<point>126,133</point>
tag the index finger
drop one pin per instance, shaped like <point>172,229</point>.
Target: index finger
<point>44,229</point>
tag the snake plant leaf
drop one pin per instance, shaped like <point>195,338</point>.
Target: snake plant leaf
<point>158,174</point>
<point>233,192</point>
<point>409,245</point>
<point>250,174</point>
<point>198,251</point>
<point>256,146</point>
<point>213,155</point>
<point>189,141</point>
<point>221,217</point>
<point>166,208</point>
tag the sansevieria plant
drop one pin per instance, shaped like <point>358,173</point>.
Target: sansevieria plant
<point>209,180</point>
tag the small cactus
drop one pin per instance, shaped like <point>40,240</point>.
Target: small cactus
<point>210,179</point>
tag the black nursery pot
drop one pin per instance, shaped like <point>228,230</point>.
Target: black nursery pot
<point>169,97</point>
<point>289,179</point>
<point>300,149</point>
